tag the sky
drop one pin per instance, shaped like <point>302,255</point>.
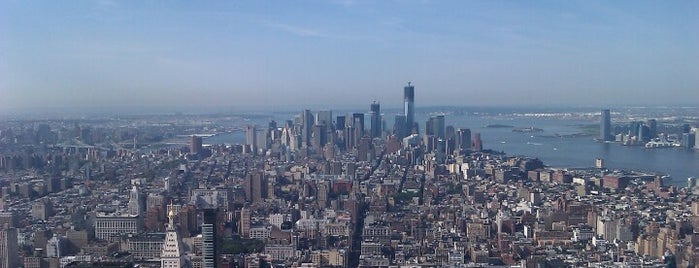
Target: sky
<point>259,54</point>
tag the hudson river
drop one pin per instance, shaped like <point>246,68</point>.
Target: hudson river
<point>552,145</point>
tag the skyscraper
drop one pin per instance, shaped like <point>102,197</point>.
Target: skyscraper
<point>324,118</point>
<point>463,140</point>
<point>135,202</point>
<point>358,124</point>
<point>195,145</point>
<point>375,115</point>
<point>8,248</point>
<point>171,255</point>
<point>477,143</point>
<point>340,122</point>
<point>399,126</point>
<point>208,233</point>
<point>306,127</point>
<point>251,138</point>
<point>605,126</point>
<point>409,100</point>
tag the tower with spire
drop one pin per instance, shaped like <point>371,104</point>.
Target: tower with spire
<point>171,256</point>
<point>135,202</point>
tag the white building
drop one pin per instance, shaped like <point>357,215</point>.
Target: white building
<point>171,256</point>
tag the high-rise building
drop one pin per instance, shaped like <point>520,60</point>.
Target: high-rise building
<point>135,202</point>
<point>208,234</point>
<point>324,118</point>
<point>606,126</point>
<point>171,255</point>
<point>340,122</point>
<point>653,128</point>
<point>251,137</point>
<point>400,127</point>
<point>477,144</point>
<point>307,121</point>
<point>439,126</point>
<point>245,222</point>
<point>195,144</point>
<point>255,187</point>
<point>375,115</point>
<point>320,137</point>
<point>463,140</point>
<point>450,138</point>
<point>9,249</point>
<point>358,124</point>
<point>409,102</point>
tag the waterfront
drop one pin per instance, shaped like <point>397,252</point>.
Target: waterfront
<point>560,144</point>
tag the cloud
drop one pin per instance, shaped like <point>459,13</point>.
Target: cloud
<point>295,30</point>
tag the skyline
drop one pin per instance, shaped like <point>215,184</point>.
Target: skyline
<point>246,55</point>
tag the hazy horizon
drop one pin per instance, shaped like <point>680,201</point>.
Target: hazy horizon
<point>277,55</point>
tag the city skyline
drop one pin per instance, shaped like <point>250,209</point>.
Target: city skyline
<point>129,55</point>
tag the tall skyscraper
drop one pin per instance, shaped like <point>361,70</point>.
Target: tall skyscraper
<point>463,140</point>
<point>255,187</point>
<point>8,248</point>
<point>195,145</point>
<point>409,100</point>
<point>251,138</point>
<point>324,118</point>
<point>171,255</point>
<point>358,124</point>
<point>306,127</point>
<point>605,126</point>
<point>477,143</point>
<point>320,137</point>
<point>439,127</point>
<point>135,202</point>
<point>340,122</point>
<point>399,127</point>
<point>208,233</point>
<point>375,115</point>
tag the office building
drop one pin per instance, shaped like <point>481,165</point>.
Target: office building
<point>435,126</point>
<point>400,127</point>
<point>477,143</point>
<point>171,255</point>
<point>358,124</point>
<point>375,115</point>
<point>324,118</point>
<point>136,201</point>
<point>463,140</point>
<point>9,249</point>
<point>307,121</point>
<point>255,187</point>
<point>409,107</point>
<point>42,209</point>
<point>340,122</point>
<point>244,222</point>
<point>195,144</point>
<point>652,128</point>
<point>320,137</point>
<point>251,138</point>
<point>450,138</point>
<point>209,237</point>
<point>110,227</point>
<point>606,126</point>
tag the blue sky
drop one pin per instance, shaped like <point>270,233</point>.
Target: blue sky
<point>254,54</point>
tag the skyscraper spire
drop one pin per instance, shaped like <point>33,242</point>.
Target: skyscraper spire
<point>409,101</point>
<point>171,255</point>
